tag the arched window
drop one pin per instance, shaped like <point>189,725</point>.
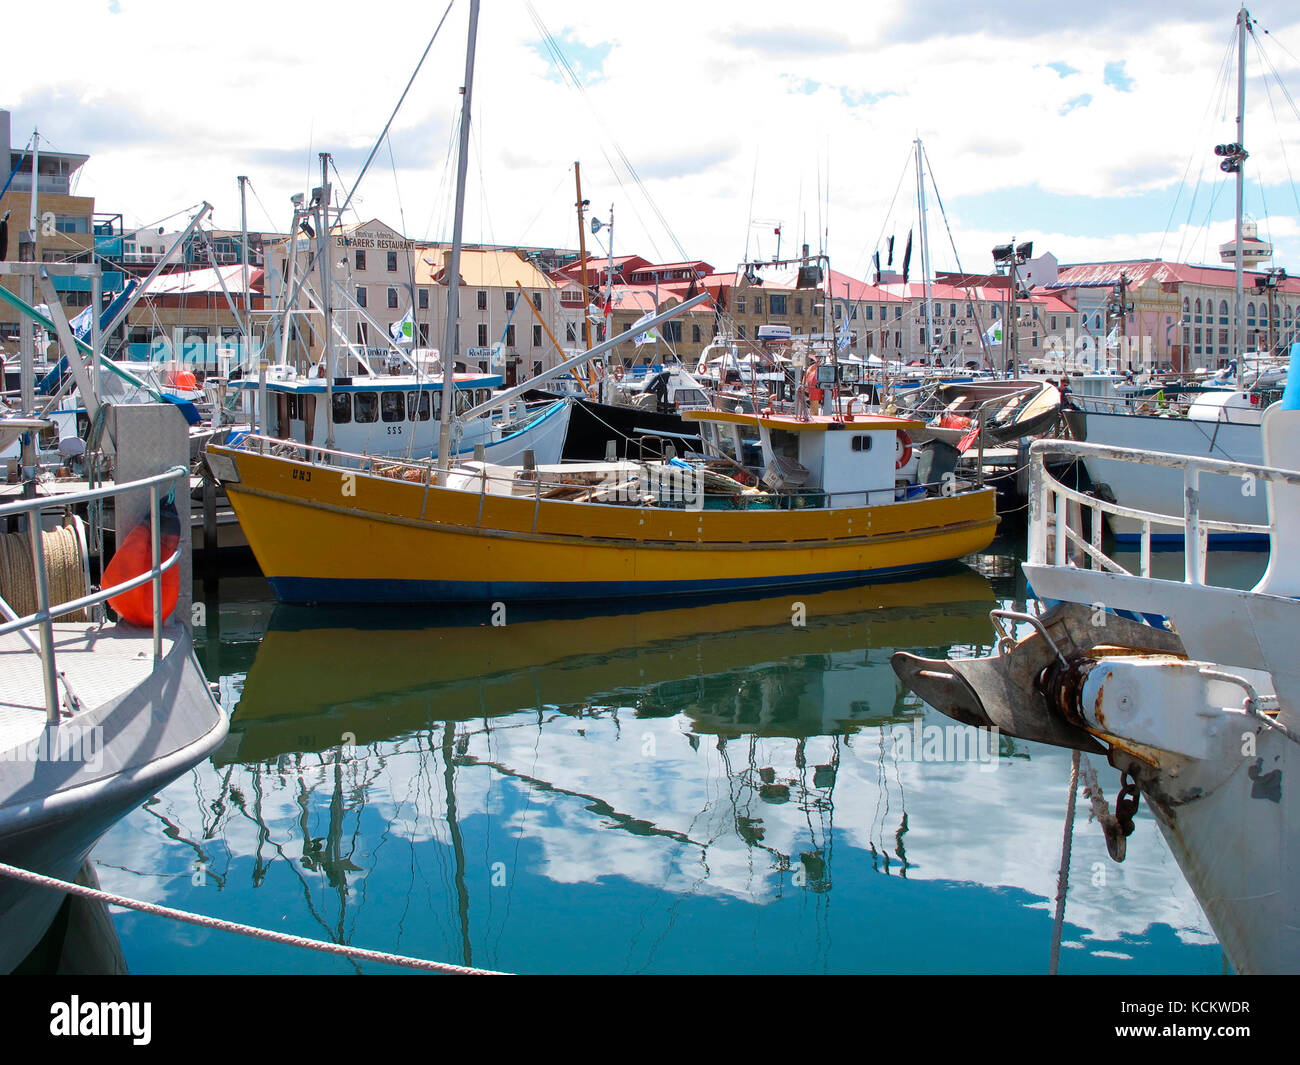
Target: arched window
<point>1250,313</point>
<point>1223,312</point>
<point>1187,309</point>
<point>1198,311</point>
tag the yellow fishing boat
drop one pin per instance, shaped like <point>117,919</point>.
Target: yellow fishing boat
<point>829,501</point>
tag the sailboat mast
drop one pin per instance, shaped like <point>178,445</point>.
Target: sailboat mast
<point>326,293</point>
<point>453,264</point>
<point>925,248</point>
<point>1243,18</point>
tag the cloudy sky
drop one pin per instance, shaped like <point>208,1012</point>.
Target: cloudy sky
<point>1088,130</point>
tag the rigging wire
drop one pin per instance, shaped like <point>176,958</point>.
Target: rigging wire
<point>387,125</point>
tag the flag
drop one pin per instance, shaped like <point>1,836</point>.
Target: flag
<point>907,256</point>
<point>845,337</point>
<point>403,328</point>
<point>993,335</point>
<point>82,324</point>
<point>1112,338</point>
<point>876,279</point>
<point>649,335</point>
<point>890,261</point>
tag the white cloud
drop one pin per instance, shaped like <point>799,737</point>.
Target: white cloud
<point>692,101</point>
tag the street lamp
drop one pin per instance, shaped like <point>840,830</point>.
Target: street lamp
<point>1006,257</point>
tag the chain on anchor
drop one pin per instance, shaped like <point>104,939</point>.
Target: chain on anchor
<point>1126,804</point>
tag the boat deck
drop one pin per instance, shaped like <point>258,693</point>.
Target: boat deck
<point>100,664</point>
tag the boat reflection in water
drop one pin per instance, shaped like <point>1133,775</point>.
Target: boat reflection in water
<point>680,790</point>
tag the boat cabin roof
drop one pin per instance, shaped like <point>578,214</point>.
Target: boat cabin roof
<point>817,423</point>
<point>375,383</point>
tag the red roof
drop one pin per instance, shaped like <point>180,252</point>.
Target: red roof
<point>1140,271</point>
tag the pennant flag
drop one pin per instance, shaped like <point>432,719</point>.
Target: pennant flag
<point>876,279</point>
<point>650,335</point>
<point>403,328</point>
<point>890,261</point>
<point>907,256</point>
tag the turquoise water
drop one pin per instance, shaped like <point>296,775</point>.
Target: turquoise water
<point>719,788</point>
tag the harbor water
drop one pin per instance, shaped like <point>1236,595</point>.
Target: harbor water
<point>715,787</point>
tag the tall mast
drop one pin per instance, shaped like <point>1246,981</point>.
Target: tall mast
<point>36,180</point>
<point>925,247</point>
<point>1243,20</point>
<point>453,264</point>
<point>243,259</point>
<point>324,251</point>
<point>582,258</point>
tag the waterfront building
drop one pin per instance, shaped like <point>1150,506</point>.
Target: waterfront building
<point>1183,312</point>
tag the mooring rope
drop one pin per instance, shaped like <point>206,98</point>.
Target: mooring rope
<point>1063,877</point>
<point>241,929</point>
<point>64,571</point>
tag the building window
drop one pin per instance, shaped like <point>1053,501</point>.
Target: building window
<point>740,332</point>
<point>424,299</point>
<point>839,312</point>
<point>571,333</point>
<point>392,297</point>
<point>361,296</point>
<point>510,336</point>
<point>1053,323</point>
<point>758,304</point>
<point>869,311</point>
<point>482,300</point>
<point>853,313</point>
<point>510,301</point>
<point>798,305</point>
<point>482,335</point>
<point>537,300</point>
<point>537,336</point>
<point>360,259</point>
<point>898,313</point>
<point>740,304</point>
<point>672,332</point>
<point>695,334</point>
<point>392,262</point>
<point>422,331</point>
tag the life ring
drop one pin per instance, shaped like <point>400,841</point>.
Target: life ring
<point>702,368</point>
<point>903,444</point>
<point>618,371</point>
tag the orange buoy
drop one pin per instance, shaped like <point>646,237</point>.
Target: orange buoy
<point>133,557</point>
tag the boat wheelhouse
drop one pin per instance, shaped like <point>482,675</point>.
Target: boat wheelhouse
<point>400,415</point>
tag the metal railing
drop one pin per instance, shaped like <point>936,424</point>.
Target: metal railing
<point>1050,501</point>
<point>525,483</point>
<point>45,614</point>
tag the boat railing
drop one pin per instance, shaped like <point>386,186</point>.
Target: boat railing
<point>522,481</point>
<point>46,612</point>
<point>1055,510</point>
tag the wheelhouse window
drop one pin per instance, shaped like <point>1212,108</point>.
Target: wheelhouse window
<point>418,406</point>
<point>392,406</point>
<point>342,408</point>
<point>366,406</point>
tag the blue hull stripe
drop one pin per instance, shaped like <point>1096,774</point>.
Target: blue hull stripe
<point>1176,539</point>
<point>361,590</point>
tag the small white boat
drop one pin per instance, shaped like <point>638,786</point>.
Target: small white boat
<point>95,717</point>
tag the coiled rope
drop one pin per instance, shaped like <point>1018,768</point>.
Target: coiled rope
<point>64,571</point>
<point>344,949</point>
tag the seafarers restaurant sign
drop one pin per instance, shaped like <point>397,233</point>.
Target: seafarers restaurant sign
<point>381,239</point>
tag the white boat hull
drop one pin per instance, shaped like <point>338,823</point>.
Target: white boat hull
<point>1160,489</point>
